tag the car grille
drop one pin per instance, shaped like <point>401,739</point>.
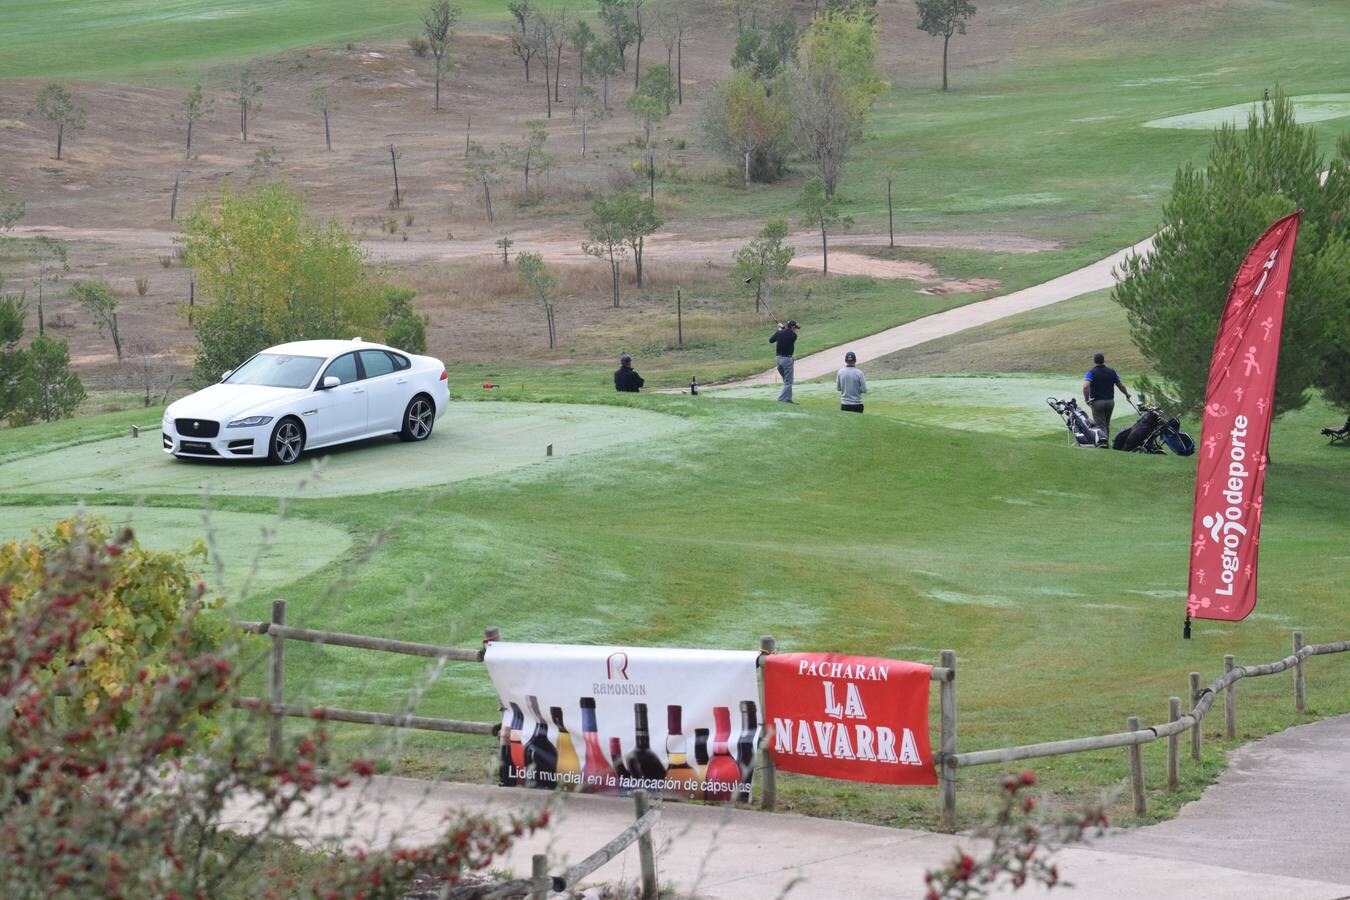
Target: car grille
<point>197,427</point>
<point>201,448</point>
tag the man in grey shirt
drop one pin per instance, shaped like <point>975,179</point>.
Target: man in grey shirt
<point>851,384</point>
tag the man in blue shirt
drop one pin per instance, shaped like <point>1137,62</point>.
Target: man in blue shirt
<point>1099,390</point>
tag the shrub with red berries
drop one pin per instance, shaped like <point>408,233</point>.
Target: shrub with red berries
<point>124,796</point>
<point>1020,850</point>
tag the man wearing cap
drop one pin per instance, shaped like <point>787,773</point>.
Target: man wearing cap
<point>626,378</point>
<point>1099,390</point>
<point>785,338</point>
<point>851,384</point>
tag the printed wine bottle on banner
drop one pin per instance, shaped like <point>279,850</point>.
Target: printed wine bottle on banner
<point>517,747</point>
<point>504,776</point>
<point>745,747</point>
<point>541,757</point>
<point>723,770</point>
<point>701,751</point>
<point>616,757</point>
<point>597,777</point>
<point>684,775</point>
<point>569,766</point>
<point>642,761</point>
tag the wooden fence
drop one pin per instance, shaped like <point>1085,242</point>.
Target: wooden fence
<point>949,761</point>
<point>1134,737</point>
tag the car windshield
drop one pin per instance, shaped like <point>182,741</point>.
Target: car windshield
<point>276,370</point>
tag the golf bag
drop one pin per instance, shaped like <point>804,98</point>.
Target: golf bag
<point>1153,432</point>
<point>1082,429</point>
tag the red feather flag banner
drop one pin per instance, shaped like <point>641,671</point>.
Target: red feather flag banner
<point>1231,474</point>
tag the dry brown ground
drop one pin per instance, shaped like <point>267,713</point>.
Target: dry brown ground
<point>110,195</point>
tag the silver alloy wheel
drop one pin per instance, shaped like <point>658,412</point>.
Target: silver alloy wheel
<point>287,442</point>
<point>421,415</point>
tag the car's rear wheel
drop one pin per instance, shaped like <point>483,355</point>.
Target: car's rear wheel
<point>287,443</point>
<point>418,419</point>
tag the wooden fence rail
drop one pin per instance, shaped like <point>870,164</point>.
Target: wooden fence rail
<point>1202,699</point>
<point>540,883</point>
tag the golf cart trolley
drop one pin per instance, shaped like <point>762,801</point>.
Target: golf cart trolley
<point>1154,431</point>
<point>1083,432</point>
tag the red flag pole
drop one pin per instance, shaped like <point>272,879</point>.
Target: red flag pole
<point>1239,400</point>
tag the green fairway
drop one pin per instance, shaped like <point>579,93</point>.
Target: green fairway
<point>1056,574</point>
<point>166,40</point>
<point>243,557</point>
<point>469,441</point>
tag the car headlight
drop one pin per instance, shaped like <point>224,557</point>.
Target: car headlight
<point>250,422</point>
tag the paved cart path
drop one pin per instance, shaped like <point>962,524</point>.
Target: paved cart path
<point>1094,277</point>
<point>1274,826</point>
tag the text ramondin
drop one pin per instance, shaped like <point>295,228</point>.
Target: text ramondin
<point>618,687</point>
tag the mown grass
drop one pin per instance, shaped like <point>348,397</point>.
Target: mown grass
<point>166,40</point>
<point>1057,576</point>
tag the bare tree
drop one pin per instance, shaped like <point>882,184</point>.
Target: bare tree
<point>672,22</point>
<point>152,371</point>
<point>194,106</point>
<point>98,300</point>
<point>56,106</point>
<point>481,168</point>
<point>245,94</point>
<point>51,258</point>
<point>529,156</point>
<point>438,24</point>
<point>543,284</point>
<point>588,109</point>
<point>639,32</point>
<point>554,24</point>
<point>524,39</point>
<point>322,103</point>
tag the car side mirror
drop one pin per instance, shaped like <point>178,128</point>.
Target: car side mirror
<point>331,381</point>
<point>226,374</point>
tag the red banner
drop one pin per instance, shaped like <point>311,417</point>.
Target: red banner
<point>1230,477</point>
<point>850,717</point>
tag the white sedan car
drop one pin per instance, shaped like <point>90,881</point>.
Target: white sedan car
<point>306,395</point>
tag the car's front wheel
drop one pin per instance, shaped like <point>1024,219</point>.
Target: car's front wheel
<point>288,441</point>
<point>418,419</point>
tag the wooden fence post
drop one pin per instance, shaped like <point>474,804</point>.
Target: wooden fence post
<point>1230,700</point>
<point>947,742</point>
<point>276,682</point>
<point>646,850</point>
<point>768,791</point>
<point>1300,695</point>
<point>1173,746</point>
<point>1195,729</point>
<point>538,869</point>
<point>1137,770</point>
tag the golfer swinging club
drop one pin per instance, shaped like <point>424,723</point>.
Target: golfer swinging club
<point>785,338</point>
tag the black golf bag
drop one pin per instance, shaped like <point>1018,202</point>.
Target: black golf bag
<point>1153,431</point>
<point>1082,429</point>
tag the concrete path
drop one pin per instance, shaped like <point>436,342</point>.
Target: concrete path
<point>1090,278</point>
<point>1275,826</point>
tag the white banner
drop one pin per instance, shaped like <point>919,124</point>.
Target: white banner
<point>609,720</point>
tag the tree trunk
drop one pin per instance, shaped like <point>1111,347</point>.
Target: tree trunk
<point>436,106</point>
<point>637,57</point>
<point>173,201</point>
<point>327,136</point>
<point>60,132</point>
<point>583,138</point>
<point>243,121</point>
<point>393,159</point>
<point>651,176</point>
<point>679,68</point>
<point>557,74</point>
<point>468,130</point>
<point>890,213</point>
<point>758,290</point>
<point>945,41</point>
<point>42,325</point>
<point>604,93</point>
<point>637,260</point>
<point>117,340</point>
<point>487,199</point>
<point>188,153</point>
<point>527,67</point>
<point>824,249</point>
<point>527,173</point>
<point>548,89</point>
<point>614,276</point>
<point>747,168</point>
